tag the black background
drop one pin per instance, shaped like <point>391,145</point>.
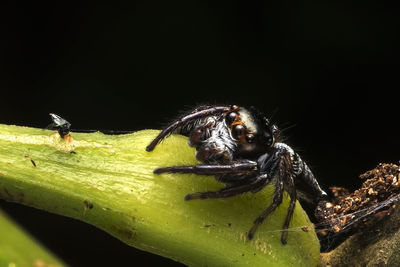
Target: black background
<point>330,68</point>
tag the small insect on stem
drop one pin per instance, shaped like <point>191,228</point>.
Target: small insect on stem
<point>29,157</point>
<point>61,125</point>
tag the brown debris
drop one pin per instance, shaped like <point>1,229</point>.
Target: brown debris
<point>305,229</point>
<point>349,213</point>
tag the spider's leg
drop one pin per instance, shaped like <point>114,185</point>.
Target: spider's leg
<point>276,201</point>
<point>231,190</point>
<point>238,167</point>
<point>291,189</point>
<point>192,116</point>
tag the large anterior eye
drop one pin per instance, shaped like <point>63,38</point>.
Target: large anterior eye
<point>237,131</point>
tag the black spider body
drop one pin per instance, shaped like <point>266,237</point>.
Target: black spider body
<point>242,149</point>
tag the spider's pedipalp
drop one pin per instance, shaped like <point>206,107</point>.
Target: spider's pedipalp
<point>192,116</point>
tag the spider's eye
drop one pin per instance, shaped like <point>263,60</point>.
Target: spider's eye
<point>250,138</point>
<point>237,131</point>
<point>231,117</point>
<point>269,138</point>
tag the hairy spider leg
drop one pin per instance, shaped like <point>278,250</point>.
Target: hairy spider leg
<point>286,174</point>
<point>230,191</point>
<point>292,204</point>
<point>241,167</point>
<point>280,164</point>
<point>192,116</point>
<point>291,189</point>
<point>276,201</point>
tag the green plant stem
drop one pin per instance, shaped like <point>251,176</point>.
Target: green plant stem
<point>107,181</point>
<point>17,248</point>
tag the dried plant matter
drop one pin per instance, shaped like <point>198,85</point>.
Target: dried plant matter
<point>349,213</point>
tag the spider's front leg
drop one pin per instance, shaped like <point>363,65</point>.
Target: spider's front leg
<point>200,113</point>
<point>236,189</point>
<point>233,173</point>
<point>203,169</point>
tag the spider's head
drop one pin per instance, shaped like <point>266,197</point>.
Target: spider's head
<point>252,131</point>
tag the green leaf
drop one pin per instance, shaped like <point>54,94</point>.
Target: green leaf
<point>17,248</point>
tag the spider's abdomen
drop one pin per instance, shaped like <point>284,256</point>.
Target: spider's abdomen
<point>304,179</point>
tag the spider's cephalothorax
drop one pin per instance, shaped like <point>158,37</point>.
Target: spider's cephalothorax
<point>242,149</point>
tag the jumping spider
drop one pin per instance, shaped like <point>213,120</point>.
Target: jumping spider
<point>242,149</point>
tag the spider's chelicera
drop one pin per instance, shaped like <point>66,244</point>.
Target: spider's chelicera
<point>241,148</point>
